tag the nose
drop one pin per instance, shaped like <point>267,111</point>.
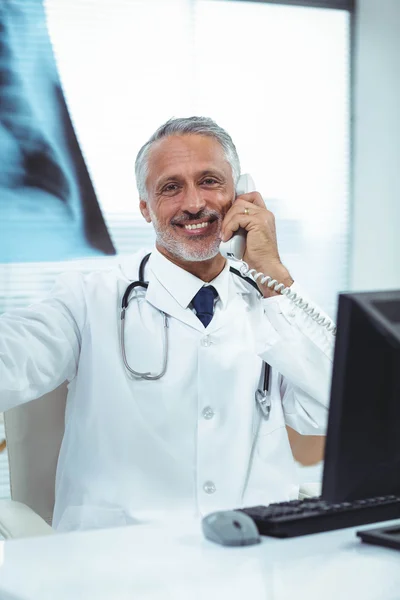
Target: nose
<point>194,200</point>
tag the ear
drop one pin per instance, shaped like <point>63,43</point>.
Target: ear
<point>144,210</point>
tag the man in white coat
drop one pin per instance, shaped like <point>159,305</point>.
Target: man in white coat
<point>194,440</point>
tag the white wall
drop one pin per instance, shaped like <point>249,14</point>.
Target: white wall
<point>375,242</point>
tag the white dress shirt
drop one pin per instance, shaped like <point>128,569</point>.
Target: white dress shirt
<point>192,442</point>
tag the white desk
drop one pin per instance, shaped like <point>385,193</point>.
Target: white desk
<point>150,562</point>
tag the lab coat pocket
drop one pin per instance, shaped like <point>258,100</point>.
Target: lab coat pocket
<point>90,517</point>
<point>275,420</point>
<point>274,448</point>
<point>273,476</point>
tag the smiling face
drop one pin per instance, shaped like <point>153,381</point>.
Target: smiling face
<point>190,188</point>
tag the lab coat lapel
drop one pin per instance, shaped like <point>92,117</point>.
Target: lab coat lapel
<point>239,293</point>
<point>159,297</point>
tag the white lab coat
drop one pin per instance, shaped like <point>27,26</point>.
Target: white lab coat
<point>192,442</point>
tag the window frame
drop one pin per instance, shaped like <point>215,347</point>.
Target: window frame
<point>349,5</point>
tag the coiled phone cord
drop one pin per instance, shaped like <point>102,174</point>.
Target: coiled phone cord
<point>286,291</point>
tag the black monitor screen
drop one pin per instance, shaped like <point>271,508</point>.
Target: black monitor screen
<point>362,456</point>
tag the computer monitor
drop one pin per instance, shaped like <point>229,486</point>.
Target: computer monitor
<point>362,455</point>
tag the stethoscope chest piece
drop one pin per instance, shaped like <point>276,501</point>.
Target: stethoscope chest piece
<point>264,402</point>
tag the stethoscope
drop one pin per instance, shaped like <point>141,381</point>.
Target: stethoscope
<point>262,394</point>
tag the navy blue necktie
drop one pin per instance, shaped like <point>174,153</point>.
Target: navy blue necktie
<point>203,302</point>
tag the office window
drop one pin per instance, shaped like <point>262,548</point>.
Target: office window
<point>275,76</point>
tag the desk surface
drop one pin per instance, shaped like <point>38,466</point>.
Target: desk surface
<point>157,562</point>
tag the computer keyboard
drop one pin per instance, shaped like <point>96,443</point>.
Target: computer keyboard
<point>313,515</point>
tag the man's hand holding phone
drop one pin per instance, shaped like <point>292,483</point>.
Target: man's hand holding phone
<point>249,212</point>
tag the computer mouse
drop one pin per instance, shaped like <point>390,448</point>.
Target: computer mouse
<point>230,528</point>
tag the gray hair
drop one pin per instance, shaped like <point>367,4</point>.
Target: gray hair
<point>185,126</point>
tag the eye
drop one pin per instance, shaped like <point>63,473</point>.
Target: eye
<point>170,188</point>
<point>209,181</point>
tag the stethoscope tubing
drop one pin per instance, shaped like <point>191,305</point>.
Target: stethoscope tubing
<point>124,305</point>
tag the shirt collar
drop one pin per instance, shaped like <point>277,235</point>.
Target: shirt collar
<point>181,284</point>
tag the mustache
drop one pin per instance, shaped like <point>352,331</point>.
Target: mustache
<point>202,214</point>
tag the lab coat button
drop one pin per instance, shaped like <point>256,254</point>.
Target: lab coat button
<point>292,314</point>
<point>205,341</point>
<point>209,487</point>
<point>208,412</point>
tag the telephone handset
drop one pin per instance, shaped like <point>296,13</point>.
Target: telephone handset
<point>234,249</point>
<point>236,246</point>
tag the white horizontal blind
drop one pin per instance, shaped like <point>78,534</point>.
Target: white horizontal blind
<point>276,77</point>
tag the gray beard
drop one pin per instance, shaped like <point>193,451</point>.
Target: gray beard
<point>180,249</point>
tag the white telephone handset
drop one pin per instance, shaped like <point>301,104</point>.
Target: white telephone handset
<point>236,246</point>
<point>234,249</point>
